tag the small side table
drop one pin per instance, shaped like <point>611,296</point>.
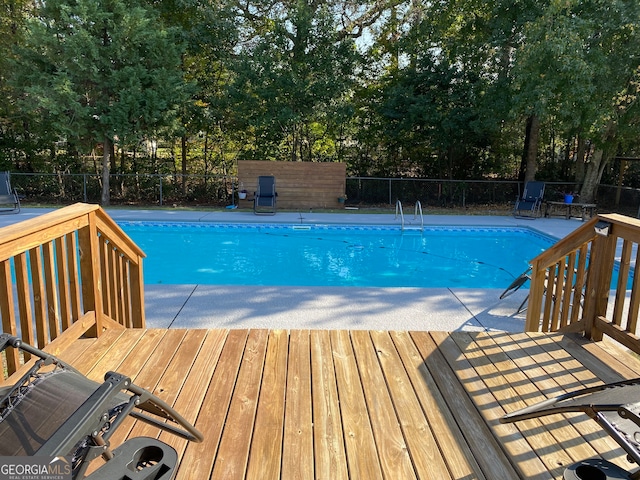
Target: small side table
<point>582,210</point>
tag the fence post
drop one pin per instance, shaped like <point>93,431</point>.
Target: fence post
<point>84,187</point>
<point>160,177</point>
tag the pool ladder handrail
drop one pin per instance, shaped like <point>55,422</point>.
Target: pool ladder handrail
<point>417,210</point>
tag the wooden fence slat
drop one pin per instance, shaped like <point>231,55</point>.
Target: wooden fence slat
<point>126,294</point>
<point>103,266</point>
<point>110,262</point>
<point>298,184</point>
<point>136,277</point>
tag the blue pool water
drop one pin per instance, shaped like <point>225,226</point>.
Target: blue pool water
<point>233,254</point>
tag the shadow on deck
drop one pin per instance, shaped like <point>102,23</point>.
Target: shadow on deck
<point>363,404</point>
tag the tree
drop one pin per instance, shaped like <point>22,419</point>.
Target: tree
<point>291,81</point>
<point>100,71</point>
<point>578,68</point>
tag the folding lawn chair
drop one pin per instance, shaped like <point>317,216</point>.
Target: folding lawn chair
<point>616,408</point>
<point>8,195</point>
<point>264,202</point>
<point>531,201</point>
<point>55,411</point>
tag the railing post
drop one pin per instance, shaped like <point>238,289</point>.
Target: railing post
<point>534,308</point>
<point>601,263</point>
<point>90,266</point>
<point>137,295</point>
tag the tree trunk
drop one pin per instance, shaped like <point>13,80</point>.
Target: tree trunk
<point>105,198</point>
<point>592,177</point>
<point>530,154</point>
<point>184,163</point>
<point>596,165</point>
<point>581,159</point>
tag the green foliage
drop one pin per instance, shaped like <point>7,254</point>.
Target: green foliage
<point>95,69</point>
<point>292,78</point>
<point>440,88</point>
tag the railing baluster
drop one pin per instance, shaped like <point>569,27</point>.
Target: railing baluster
<point>51,291</point>
<point>39,295</point>
<point>623,277</point>
<point>634,301</point>
<point>74,277</point>
<point>24,300</point>
<point>7,311</point>
<point>112,279</point>
<point>127,295</point>
<point>104,275</point>
<point>567,292</point>
<point>578,291</point>
<point>63,282</point>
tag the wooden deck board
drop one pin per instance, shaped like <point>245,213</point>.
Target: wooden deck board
<point>363,404</point>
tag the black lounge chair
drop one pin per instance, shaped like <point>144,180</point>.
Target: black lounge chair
<point>616,408</point>
<point>264,202</point>
<point>55,411</point>
<point>529,205</point>
<point>8,195</point>
<point>523,278</point>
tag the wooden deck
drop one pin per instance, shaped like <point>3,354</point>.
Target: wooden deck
<point>363,404</point>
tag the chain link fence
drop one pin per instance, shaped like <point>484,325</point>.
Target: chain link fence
<point>220,191</point>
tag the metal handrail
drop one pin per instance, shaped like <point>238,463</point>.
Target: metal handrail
<point>418,209</point>
<point>399,209</point>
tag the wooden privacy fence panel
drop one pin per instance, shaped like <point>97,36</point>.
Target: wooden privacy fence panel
<point>57,268</point>
<point>300,185</point>
<point>571,283</point>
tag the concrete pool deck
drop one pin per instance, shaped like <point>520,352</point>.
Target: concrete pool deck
<point>222,306</point>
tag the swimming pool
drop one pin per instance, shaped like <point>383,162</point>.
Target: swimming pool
<point>332,255</point>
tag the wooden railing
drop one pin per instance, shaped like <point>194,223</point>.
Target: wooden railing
<point>70,270</point>
<point>571,283</point>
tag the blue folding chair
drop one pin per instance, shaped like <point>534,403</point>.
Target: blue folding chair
<point>529,205</point>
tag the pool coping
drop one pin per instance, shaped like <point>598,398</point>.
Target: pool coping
<point>434,309</point>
